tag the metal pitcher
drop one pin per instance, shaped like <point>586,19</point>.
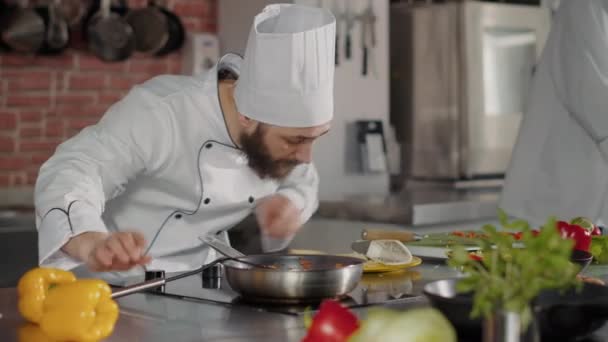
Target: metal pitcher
<point>505,326</point>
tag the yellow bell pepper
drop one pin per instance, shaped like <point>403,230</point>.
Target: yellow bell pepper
<point>33,288</point>
<point>30,332</point>
<point>72,310</point>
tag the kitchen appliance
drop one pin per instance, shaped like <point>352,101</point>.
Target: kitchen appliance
<point>372,146</point>
<point>201,52</point>
<point>399,287</point>
<point>461,72</point>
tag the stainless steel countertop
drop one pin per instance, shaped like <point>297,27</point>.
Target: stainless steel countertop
<point>152,317</point>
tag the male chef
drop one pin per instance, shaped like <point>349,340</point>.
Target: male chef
<point>560,162</point>
<point>181,157</point>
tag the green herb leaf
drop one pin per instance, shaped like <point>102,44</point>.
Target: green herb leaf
<point>509,278</point>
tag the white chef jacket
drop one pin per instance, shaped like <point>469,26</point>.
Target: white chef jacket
<point>559,164</point>
<point>160,161</point>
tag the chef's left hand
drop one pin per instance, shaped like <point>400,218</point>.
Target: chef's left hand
<point>277,216</point>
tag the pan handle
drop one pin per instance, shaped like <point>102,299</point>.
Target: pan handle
<point>161,281</point>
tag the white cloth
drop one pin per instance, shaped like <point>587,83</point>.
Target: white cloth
<point>287,77</point>
<point>160,161</point>
<point>559,165</point>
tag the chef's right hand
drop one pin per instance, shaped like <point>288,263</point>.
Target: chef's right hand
<point>102,252</point>
<point>119,251</point>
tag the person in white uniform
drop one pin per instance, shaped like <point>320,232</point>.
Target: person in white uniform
<point>180,157</point>
<point>559,165</point>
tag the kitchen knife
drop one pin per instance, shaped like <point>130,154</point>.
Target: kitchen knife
<point>378,234</point>
<point>349,21</point>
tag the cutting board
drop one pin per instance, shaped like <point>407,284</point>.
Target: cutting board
<point>438,245</point>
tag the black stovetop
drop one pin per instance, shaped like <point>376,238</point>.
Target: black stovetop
<point>373,289</point>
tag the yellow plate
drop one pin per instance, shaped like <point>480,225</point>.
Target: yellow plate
<point>368,266</point>
<point>376,267</point>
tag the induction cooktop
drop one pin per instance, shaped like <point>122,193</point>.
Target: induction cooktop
<point>373,289</point>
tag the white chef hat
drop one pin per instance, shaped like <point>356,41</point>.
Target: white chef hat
<point>287,76</point>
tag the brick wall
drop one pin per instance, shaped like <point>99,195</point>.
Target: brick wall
<point>45,100</point>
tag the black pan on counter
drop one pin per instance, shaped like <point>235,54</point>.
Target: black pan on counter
<point>564,316</point>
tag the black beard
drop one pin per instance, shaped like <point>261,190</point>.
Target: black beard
<point>260,160</point>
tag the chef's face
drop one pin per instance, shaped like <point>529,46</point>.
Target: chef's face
<point>274,151</point>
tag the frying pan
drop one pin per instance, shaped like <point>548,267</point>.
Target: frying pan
<point>324,276</point>
<point>275,278</point>
<point>57,35</point>
<point>23,29</point>
<point>290,278</point>
<point>561,316</point>
<point>158,31</point>
<point>151,28</point>
<point>73,10</point>
<point>177,33</point>
<point>110,37</point>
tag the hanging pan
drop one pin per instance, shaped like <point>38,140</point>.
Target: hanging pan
<point>110,37</point>
<point>157,30</point>
<point>24,29</point>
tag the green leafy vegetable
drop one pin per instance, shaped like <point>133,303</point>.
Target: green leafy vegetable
<point>420,325</point>
<point>510,276</point>
<point>599,249</point>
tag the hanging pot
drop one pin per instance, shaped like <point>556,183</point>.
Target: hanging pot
<point>177,33</point>
<point>73,10</point>
<point>150,27</point>
<point>158,31</point>
<point>24,29</point>
<point>109,36</point>
<point>57,35</point>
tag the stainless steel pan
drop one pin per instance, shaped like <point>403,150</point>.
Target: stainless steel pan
<point>296,277</point>
<point>289,278</point>
<point>110,37</point>
<point>23,29</point>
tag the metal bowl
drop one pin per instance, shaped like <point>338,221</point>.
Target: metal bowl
<point>455,306</point>
<point>328,276</point>
<point>582,258</point>
<point>561,316</point>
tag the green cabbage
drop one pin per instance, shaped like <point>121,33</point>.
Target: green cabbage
<point>416,325</point>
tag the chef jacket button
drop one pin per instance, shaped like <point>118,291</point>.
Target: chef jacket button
<point>209,145</point>
<point>207,200</point>
<point>178,216</point>
<point>251,199</point>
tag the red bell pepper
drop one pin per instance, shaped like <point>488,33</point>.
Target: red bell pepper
<point>475,257</point>
<point>333,323</point>
<point>580,235</point>
<point>596,231</point>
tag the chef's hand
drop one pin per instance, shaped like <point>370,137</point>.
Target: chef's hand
<point>102,252</point>
<point>278,217</point>
<point>118,252</point>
